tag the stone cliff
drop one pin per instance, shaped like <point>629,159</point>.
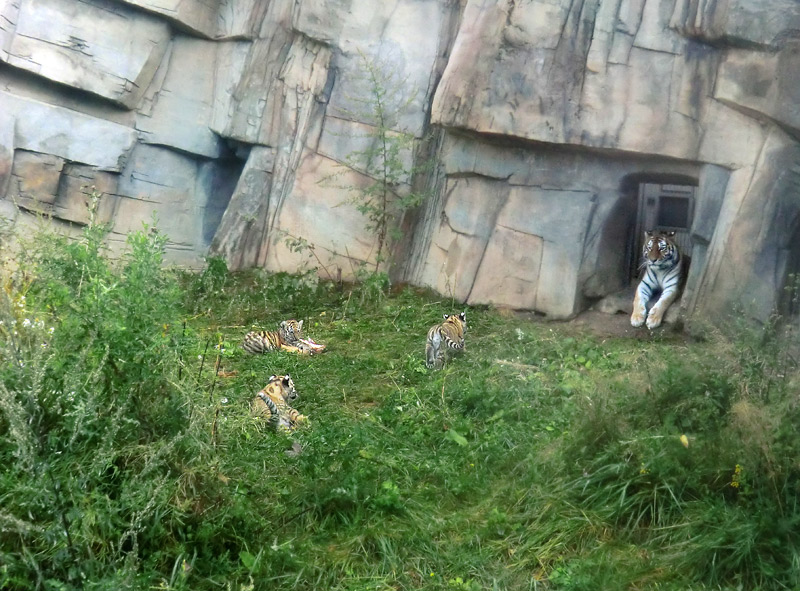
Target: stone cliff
<point>553,131</point>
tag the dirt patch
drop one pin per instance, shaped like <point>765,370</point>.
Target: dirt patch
<point>603,325</point>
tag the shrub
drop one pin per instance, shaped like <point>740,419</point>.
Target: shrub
<point>90,402</point>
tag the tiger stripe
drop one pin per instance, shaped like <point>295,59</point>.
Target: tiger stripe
<point>663,273</point>
<point>272,403</point>
<point>287,337</point>
<point>443,336</point>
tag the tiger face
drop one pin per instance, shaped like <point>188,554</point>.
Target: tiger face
<point>284,386</point>
<point>272,403</point>
<point>659,248</point>
<point>291,331</point>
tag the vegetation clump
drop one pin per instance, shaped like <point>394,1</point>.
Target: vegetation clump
<point>538,459</point>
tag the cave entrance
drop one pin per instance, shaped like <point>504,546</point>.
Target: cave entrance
<point>667,207</point>
<point>789,296</point>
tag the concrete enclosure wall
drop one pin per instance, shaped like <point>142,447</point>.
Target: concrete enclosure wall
<point>535,122</point>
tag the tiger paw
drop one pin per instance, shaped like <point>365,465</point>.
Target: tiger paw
<point>653,321</point>
<point>637,319</point>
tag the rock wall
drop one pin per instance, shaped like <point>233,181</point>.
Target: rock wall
<point>534,124</point>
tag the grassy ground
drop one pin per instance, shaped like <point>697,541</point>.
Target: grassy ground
<point>539,458</point>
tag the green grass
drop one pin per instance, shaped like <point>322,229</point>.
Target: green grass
<point>539,458</point>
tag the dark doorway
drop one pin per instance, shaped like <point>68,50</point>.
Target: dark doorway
<point>789,296</point>
<point>666,207</point>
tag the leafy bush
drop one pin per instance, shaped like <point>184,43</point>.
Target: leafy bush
<point>538,458</point>
<point>89,401</point>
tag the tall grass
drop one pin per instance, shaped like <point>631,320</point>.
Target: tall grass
<point>537,459</point>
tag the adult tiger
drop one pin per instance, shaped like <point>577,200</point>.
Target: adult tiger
<point>288,337</point>
<point>663,268</point>
<point>272,403</point>
<point>445,335</point>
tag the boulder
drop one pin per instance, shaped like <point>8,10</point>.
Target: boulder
<point>753,250</point>
<point>47,185</point>
<point>50,129</point>
<point>239,238</point>
<point>95,46</point>
<point>737,23</point>
<point>7,127</point>
<point>178,107</point>
<point>212,19</point>
<point>320,213</point>
<point>765,84</point>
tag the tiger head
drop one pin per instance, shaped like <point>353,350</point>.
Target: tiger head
<point>659,248</point>
<point>291,330</point>
<point>457,319</point>
<point>285,385</point>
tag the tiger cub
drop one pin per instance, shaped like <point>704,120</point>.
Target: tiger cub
<point>272,403</point>
<point>287,337</point>
<point>445,335</point>
<point>663,268</point>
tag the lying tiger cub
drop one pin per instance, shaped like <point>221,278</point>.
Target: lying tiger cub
<point>272,403</point>
<point>288,337</point>
<point>445,335</point>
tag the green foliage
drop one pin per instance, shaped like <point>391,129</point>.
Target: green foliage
<point>387,163</point>
<point>537,459</point>
<point>92,416</point>
<point>371,286</point>
<point>387,158</point>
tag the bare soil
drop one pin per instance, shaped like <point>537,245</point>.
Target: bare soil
<point>603,325</point>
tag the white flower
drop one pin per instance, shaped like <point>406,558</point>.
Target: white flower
<point>26,323</point>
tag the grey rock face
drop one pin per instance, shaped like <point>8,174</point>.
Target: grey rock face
<point>94,46</point>
<point>534,128</point>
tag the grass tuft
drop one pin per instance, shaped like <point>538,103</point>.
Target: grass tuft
<point>537,459</point>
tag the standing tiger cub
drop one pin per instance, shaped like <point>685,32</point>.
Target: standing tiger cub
<point>663,268</point>
<point>272,403</point>
<point>445,335</point>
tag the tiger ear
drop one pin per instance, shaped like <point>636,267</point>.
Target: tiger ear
<point>272,378</point>
<point>445,316</point>
<point>300,325</point>
<point>463,315</point>
<point>648,234</point>
<point>283,324</point>
<point>670,234</point>
<point>286,379</point>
